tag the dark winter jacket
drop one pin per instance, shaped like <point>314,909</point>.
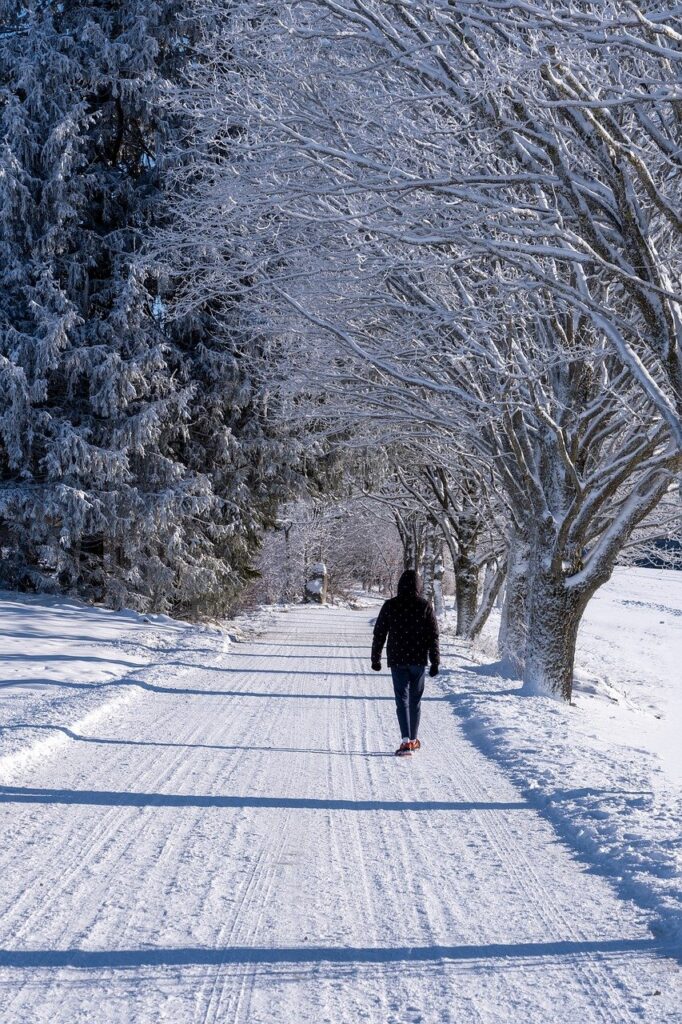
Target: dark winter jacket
<point>410,625</point>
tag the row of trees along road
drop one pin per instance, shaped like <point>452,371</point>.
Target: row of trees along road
<point>460,219</point>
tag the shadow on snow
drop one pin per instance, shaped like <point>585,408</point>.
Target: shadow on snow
<point>105,798</point>
<point>243,955</point>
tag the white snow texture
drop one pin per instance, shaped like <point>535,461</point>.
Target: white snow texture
<point>224,834</point>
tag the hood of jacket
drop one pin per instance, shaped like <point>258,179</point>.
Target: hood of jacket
<point>409,585</point>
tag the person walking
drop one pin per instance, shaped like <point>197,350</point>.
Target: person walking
<point>410,625</point>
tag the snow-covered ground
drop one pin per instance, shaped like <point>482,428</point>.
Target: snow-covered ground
<point>237,843</point>
<point>607,772</point>
<point>62,662</point>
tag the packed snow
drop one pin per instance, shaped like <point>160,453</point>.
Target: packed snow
<point>236,841</point>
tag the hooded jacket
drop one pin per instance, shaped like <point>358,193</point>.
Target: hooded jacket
<point>410,625</point>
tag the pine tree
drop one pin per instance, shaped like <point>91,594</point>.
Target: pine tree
<point>133,455</point>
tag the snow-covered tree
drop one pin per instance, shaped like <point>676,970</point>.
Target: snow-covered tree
<point>91,490</point>
<point>459,501</point>
<point>138,456</point>
<point>424,213</point>
<point>578,454</point>
<point>359,548</point>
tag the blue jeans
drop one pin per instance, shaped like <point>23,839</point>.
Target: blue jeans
<point>408,687</point>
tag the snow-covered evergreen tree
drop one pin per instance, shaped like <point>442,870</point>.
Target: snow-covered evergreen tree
<point>89,396</point>
<point>131,462</point>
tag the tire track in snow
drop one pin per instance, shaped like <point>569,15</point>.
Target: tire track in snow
<point>342,734</point>
<point>229,995</point>
<point>402,849</point>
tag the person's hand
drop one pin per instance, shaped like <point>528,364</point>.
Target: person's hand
<point>376,666</point>
<point>433,671</point>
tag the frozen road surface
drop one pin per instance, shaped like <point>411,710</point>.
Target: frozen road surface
<point>238,844</point>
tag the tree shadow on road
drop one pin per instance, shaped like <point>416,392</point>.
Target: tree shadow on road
<point>196,692</point>
<point>107,798</point>
<point>507,953</point>
<point>112,741</point>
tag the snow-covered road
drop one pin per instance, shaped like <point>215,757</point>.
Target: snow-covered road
<point>238,844</point>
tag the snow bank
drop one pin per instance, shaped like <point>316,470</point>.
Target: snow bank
<point>64,665</point>
<point>608,771</point>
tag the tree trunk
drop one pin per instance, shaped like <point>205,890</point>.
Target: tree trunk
<point>433,567</point>
<point>514,622</point>
<point>429,563</point>
<point>494,578</point>
<point>466,594</point>
<point>554,617</point>
<point>286,590</point>
<point>412,547</point>
<point>438,573</point>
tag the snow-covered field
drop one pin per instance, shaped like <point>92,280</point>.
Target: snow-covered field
<point>221,833</point>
